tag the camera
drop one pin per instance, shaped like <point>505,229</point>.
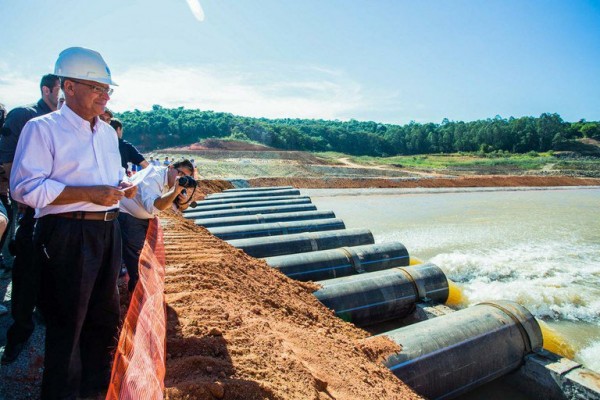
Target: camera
<point>187,182</point>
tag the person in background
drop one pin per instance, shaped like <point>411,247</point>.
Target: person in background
<point>4,198</point>
<point>158,191</point>
<point>67,167</point>
<point>166,162</point>
<point>106,116</point>
<point>129,154</point>
<point>26,272</point>
<point>194,164</point>
<point>3,309</point>
<point>3,226</point>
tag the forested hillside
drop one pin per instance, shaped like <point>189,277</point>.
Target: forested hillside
<point>162,127</point>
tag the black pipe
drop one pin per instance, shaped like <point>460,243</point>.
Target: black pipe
<point>303,242</point>
<point>329,264</point>
<point>276,228</point>
<point>229,206</point>
<point>204,203</point>
<point>383,295</point>
<point>253,211</point>
<point>263,219</point>
<point>444,357</point>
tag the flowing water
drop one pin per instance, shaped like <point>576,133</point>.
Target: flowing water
<point>538,247</point>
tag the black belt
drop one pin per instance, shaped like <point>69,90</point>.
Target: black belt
<point>109,215</point>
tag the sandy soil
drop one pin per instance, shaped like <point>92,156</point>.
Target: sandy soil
<point>238,329</point>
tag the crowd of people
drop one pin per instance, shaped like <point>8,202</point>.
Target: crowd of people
<point>78,215</point>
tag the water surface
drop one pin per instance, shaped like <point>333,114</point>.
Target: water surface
<point>539,247</point>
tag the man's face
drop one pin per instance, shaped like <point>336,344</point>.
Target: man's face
<point>175,173</point>
<point>87,98</point>
<point>105,117</point>
<point>51,94</point>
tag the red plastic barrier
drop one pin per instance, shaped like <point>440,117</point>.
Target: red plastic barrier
<point>139,367</point>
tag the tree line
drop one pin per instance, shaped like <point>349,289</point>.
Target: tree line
<point>164,127</point>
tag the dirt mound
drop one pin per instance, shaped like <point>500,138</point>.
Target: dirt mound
<point>462,181</point>
<point>217,144</point>
<point>237,329</point>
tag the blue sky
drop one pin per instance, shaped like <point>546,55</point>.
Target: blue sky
<point>387,61</point>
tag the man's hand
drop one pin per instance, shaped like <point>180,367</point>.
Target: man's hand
<point>129,190</point>
<point>105,195</point>
<point>176,188</point>
<point>182,199</point>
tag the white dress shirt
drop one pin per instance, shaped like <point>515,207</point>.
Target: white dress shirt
<point>154,185</point>
<point>58,150</point>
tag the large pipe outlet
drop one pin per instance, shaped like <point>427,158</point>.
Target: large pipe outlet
<point>252,211</point>
<point>303,242</point>
<point>276,228</point>
<point>266,193</point>
<point>444,357</point>
<point>264,219</point>
<point>335,263</point>
<point>204,203</point>
<point>383,295</point>
<point>253,204</point>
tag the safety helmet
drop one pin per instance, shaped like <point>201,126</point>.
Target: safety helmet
<point>82,63</point>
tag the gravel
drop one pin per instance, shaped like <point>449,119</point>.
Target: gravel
<point>21,379</point>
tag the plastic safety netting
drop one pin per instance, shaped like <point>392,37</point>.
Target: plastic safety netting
<point>139,366</point>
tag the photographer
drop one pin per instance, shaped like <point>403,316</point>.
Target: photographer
<point>161,188</point>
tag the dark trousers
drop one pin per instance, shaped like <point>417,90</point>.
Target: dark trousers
<point>26,275</point>
<point>80,266</point>
<point>133,232</point>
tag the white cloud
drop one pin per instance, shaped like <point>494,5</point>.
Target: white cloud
<point>17,90</point>
<point>282,91</point>
<point>196,9</point>
<point>294,92</point>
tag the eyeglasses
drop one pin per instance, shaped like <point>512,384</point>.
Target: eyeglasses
<point>181,172</point>
<point>96,89</point>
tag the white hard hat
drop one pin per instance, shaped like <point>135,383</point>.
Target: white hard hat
<point>81,63</point>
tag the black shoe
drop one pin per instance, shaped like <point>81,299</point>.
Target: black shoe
<point>11,353</point>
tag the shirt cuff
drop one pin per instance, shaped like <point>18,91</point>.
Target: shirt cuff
<point>45,195</point>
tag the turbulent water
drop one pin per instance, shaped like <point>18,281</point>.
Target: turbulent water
<point>539,247</point>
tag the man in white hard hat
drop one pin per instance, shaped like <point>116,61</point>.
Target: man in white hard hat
<point>67,167</point>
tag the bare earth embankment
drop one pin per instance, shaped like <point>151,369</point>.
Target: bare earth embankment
<point>457,182</point>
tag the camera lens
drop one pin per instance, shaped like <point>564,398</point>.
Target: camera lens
<point>187,181</point>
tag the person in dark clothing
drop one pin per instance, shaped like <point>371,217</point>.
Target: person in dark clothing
<point>129,154</point>
<point>26,273</point>
<point>4,199</point>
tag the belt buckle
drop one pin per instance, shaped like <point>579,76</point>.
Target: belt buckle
<point>106,215</point>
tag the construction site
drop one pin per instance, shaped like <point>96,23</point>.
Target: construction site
<point>256,294</point>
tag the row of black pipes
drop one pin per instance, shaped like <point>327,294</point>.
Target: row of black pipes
<point>367,283</point>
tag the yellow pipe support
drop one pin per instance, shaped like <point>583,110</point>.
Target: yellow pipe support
<point>415,261</point>
<point>555,342</point>
<point>456,297</point>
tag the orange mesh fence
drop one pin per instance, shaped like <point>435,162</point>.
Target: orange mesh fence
<point>139,366</point>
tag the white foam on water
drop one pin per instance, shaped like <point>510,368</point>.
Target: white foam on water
<point>590,356</point>
<point>551,279</point>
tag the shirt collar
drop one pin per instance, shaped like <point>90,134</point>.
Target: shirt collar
<point>76,120</point>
